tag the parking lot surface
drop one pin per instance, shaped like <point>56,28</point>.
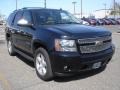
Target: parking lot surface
<point>16,73</point>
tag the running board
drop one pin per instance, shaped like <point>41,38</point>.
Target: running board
<point>23,54</point>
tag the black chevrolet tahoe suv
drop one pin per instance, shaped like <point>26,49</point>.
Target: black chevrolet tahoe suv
<point>56,42</point>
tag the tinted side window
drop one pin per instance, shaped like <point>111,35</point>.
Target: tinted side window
<point>27,16</point>
<point>45,17</point>
<point>18,17</point>
<point>64,16</point>
<point>10,19</point>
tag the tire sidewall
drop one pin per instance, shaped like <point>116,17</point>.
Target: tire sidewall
<point>12,53</point>
<point>49,74</point>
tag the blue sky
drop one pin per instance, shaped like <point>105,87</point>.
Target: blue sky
<point>7,6</point>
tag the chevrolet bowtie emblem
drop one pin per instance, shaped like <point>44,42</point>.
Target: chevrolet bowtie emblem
<point>98,42</point>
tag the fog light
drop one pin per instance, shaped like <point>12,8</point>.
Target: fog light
<point>65,67</point>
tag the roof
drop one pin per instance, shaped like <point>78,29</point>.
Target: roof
<point>37,8</point>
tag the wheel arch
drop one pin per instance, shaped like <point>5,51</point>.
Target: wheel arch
<point>37,43</point>
<point>7,36</point>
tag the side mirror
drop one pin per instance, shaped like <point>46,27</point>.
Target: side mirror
<point>23,22</point>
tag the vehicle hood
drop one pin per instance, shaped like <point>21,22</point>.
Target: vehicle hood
<point>81,31</point>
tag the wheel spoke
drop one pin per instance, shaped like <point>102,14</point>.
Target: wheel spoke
<point>41,64</point>
<point>43,70</point>
<point>9,46</point>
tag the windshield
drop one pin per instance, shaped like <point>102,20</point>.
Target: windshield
<point>48,17</point>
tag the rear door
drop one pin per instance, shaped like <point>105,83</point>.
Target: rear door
<point>15,30</point>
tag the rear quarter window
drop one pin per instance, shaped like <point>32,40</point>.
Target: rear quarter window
<point>10,19</point>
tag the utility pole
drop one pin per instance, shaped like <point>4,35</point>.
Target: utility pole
<point>16,4</point>
<point>105,9</point>
<point>81,9</point>
<point>74,3</point>
<point>45,4</point>
<point>114,8</point>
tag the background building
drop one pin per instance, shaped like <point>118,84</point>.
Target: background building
<point>102,13</point>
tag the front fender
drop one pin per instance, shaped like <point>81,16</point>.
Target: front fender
<point>47,44</point>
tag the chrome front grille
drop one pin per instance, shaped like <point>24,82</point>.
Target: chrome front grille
<point>91,45</point>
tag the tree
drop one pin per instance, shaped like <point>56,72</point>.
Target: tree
<point>117,9</point>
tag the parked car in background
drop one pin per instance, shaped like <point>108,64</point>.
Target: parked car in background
<point>107,22</point>
<point>96,21</point>
<point>101,22</point>
<point>2,22</point>
<point>85,22</point>
<point>117,23</point>
<point>92,21</point>
<point>113,22</point>
<point>118,20</point>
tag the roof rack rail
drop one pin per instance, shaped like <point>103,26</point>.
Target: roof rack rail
<point>32,8</point>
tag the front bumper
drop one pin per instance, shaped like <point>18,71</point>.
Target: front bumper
<point>70,63</point>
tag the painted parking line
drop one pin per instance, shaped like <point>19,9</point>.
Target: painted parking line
<point>4,82</point>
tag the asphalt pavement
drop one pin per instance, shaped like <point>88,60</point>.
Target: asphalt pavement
<point>17,73</point>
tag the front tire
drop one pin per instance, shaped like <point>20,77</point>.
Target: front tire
<point>10,48</point>
<point>43,65</point>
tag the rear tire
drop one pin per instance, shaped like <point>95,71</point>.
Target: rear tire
<point>10,47</point>
<point>43,65</point>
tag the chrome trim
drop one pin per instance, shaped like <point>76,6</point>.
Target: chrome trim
<point>91,45</point>
<point>98,43</point>
<point>93,40</point>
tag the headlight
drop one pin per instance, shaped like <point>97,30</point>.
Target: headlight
<point>65,45</point>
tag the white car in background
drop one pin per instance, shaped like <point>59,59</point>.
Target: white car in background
<point>85,22</point>
<point>2,22</point>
